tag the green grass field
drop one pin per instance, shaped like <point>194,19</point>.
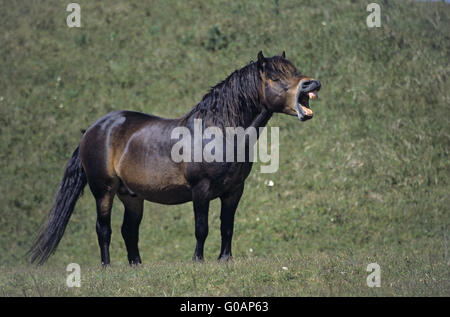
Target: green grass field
<point>367,180</point>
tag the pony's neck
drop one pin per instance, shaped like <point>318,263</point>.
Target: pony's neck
<point>261,120</point>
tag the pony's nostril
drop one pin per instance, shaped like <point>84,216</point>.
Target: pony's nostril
<point>310,85</point>
<point>307,83</point>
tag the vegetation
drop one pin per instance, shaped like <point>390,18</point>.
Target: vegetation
<point>367,180</point>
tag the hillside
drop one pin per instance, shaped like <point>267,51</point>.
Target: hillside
<point>366,180</point>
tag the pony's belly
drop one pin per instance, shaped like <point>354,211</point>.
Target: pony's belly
<point>159,188</point>
<point>169,196</point>
<point>154,177</point>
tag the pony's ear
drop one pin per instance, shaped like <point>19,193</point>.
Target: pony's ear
<point>283,54</point>
<point>261,60</point>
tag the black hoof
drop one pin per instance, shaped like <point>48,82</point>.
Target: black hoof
<point>225,258</point>
<point>197,259</point>
<point>135,263</point>
<point>134,260</point>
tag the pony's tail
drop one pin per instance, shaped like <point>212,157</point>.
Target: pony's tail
<point>69,191</point>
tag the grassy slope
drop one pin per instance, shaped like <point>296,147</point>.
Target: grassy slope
<point>365,181</point>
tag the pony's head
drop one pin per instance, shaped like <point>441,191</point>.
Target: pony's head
<point>284,89</point>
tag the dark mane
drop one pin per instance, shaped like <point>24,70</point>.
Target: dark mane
<point>233,102</point>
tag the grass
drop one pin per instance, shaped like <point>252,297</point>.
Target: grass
<point>316,274</point>
<point>367,180</point>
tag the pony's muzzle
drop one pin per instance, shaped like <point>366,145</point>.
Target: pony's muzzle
<point>309,86</point>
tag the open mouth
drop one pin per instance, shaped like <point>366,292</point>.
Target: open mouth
<point>306,90</point>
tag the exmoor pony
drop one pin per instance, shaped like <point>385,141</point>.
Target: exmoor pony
<point>128,154</point>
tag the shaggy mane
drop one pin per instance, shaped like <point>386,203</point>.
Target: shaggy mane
<point>233,102</point>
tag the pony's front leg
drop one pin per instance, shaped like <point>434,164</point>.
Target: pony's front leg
<point>201,209</point>
<point>227,211</point>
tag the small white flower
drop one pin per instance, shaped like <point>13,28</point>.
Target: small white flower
<point>257,218</point>
<point>251,250</point>
<point>270,183</point>
<point>324,23</point>
<point>285,268</point>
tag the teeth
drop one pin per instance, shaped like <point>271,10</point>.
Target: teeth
<point>312,95</point>
<point>307,111</point>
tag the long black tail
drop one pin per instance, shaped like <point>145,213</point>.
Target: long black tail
<point>69,191</point>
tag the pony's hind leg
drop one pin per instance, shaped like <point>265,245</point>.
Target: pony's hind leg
<point>103,225</point>
<point>130,227</point>
<point>97,153</point>
<point>103,189</point>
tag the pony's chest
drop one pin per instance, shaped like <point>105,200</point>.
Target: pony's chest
<point>227,177</point>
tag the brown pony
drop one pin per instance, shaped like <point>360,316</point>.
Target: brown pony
<point>128,154</point>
